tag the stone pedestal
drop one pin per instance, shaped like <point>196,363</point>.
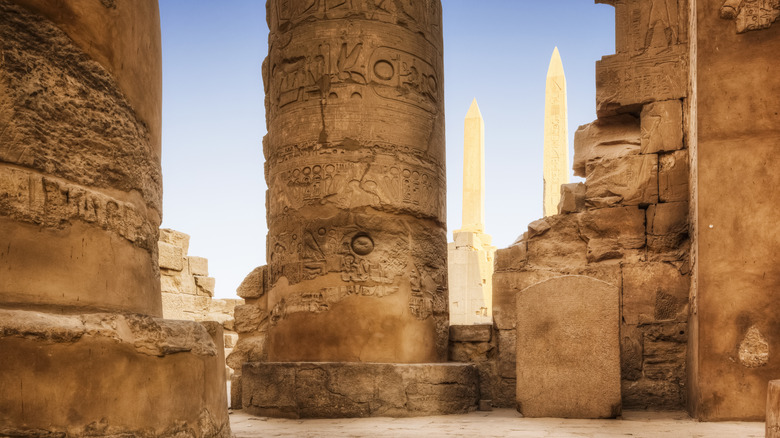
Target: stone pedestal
<point>334,390</point>
<point>773,409</point>
<point>356,182</point>
<point>83,351</point>
<point>568,349</point>
<point>470,262</point>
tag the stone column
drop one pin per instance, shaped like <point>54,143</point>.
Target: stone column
<point>556,135</point>
<point>84,352</point>
<point>356,182</point>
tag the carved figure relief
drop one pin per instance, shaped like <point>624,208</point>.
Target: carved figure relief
<point>751,14</point>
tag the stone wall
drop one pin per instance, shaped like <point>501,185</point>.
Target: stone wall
<point>627,224</point>
<point>187,289</point>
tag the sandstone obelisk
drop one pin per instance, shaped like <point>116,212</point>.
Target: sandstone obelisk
<point>471,254</point>
<point>556,135</point>
<point>357,268</point>
<point>474,171</point>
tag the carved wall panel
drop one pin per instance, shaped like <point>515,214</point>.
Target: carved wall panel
<point>751,14</point>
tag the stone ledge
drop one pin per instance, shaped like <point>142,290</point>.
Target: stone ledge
<point>344,390</point>
<point>147,335</point>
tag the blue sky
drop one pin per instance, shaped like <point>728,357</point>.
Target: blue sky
<point>496,51</point>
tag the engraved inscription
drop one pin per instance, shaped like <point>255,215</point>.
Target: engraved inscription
<point>53,202</point>
<point>751,14</point>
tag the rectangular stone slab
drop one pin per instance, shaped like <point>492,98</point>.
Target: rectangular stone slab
<point>568,349</point>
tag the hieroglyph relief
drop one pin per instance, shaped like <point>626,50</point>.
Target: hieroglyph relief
<point>751,14</point>
<point>54,202</point>
<point>423,16</point>
<point>350,184</point>
<point>343,70</point>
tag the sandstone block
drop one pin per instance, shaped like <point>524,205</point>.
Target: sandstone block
<point>182,306</point>
<point>655,394</point>
<point>249,318</point>
<point>667,229</point>
<point>230,340</point>
<point>249,348</point>
<point>171,257</point>
<point>673,172</point>
<point>579,377</point>
<point>507,354</point>
<point>512,258</point>
<point>556,243</point>
<point>470,352</point>
<point>253,285</point>
<point>176,238</point>
<point>654,292</point>
<point>336,390</point>
<point>624,83</point>
<point>630,180</point>
<point>199,266</point>
<point>607,138</point>
<point>631,352</point>
<point>612,233</point>
<point>471,333</point>
<point>662,126</point>
<point>572,198</point>
<point>205,285</point>
<point>773,409</point>
<point>664,360</point>
<point>506,285</point>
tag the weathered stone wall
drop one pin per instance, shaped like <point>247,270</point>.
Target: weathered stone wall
<point>355,167</point>
<point>187,289</point>
<point>628,224</point>
<point>734,349</point>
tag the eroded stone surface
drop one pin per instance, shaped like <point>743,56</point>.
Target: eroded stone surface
<point>607,138</point>
<point>335,390</point>
<point>568,349</point>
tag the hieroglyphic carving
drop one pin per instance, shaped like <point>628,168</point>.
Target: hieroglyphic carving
<point>54,202</point>
<point>622,81</point>
<point>650,26</point>
<point>347,184</point>
<point>751,14</point>
<point>390,73</point>
<point>422,16</point>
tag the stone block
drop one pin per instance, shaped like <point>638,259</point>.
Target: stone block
<point>653,292</point>
<point>176,238</point>
<point>199,266</point>
<point>611,233</point>
<point>230,340</point>
<point>249,318</point>
<point>485,405</point>
<point>568,349</point>
<point>652,394</point>
<point>624,83</point>
<point>673,174</point>
<point>471,333</point>
<point>556,243</point>
<point>471,352</point>
<point>512,258</point>
<point>631,353</point>
<point>171,256</point>
<point>667,229</point>
<point>664,360</point>
<point>507,354</point>
<point>662,126</point>
<point>235,391</point>
<point>182,306</point>
<point>608,138</point>
<point>351,389</point>
<point>254,284</point>
<point>630,180</point>
<point>773,409</point>
<point>249,348</point>
<point>572,198</point>
<point>205,285</point>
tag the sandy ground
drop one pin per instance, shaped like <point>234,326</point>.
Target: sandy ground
<point>496,423</point>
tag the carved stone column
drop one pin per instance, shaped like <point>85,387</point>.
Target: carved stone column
<point>356,181</point>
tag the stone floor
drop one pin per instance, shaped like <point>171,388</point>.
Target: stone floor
<point>497,423</point>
